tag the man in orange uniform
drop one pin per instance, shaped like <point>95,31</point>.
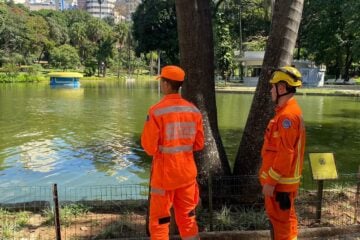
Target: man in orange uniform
<point>172,132</point>
<point>283,154</point>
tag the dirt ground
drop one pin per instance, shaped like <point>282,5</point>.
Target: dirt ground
<point>89,226</point>
<point>95,226</point>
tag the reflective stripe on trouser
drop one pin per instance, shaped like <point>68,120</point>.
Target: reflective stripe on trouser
<point>184,201</point>
<point>284,222</point>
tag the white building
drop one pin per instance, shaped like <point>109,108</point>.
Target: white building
<point>35,5</point>
<point>21,2</point>
<point>100,8</point>
<point>312,76</point>
<point>68,4</point>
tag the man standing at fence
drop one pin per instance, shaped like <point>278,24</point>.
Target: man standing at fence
<point>283,154</point>
<point>172,132</point>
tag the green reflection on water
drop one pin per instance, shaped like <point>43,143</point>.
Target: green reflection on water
<point>91,135</point>
<point>332,125</point>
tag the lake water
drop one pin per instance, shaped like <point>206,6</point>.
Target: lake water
<point>91,135</point>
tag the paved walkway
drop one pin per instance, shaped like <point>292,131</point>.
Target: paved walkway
<point>321,233</point>
<point>355,236</point>
<point>326,233</point>
<point>327,90</point>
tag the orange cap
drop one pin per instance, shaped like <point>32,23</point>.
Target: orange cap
<point>172,72</point>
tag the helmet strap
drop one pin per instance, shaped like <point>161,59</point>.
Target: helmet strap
<point>278,96</point>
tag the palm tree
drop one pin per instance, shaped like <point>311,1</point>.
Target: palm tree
<point>197,58</point>
<point>279,51</point>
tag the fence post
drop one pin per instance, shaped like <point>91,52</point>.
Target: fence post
<point>210,202</point>
<point>319,200</point>
<point>148,211</point>
<point>357,197</point>
<point>56,212</point>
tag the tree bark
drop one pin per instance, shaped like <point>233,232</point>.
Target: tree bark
<point>279,51</point>
<point>348,62</point>
<point>197,58</point>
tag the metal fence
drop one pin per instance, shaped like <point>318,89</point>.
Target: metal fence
<point>119,211</point>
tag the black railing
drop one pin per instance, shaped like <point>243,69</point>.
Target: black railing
<point>119,211</point>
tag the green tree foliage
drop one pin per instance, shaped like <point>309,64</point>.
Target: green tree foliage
<point>78,39</point>
<point>58,30</point>
<point>121,32</point>
<point>11,70</point>
<point>13,32</point>
<point>102,40</point>
<point>155,29</point>
<point>330,34</point>
<point>255,21</point>
<point>224,53</point>
<point>352,25</point>
<point>38,35</point>
<point>105,52</point>
<point>64,57</point>
<point>74,16</point>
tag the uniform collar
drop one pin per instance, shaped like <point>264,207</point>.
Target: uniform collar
<point>287,103</point>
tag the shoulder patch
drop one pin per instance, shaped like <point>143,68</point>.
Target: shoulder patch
<point>286,123</point>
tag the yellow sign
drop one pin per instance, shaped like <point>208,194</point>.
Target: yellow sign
<point>323,166</point>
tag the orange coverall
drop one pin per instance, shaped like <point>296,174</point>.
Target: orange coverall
<point>282,162</point>
<point>173,130</point>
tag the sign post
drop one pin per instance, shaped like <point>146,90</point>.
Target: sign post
<point>357,197</point>
<point>323,168</point>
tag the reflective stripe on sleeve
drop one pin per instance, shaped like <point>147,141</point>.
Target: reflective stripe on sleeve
<point>176,149</point>
<point>170,109</point>
<point>264,175</point>
<point>273,174</point>
<point>290,180</point>
<point>293,180</point>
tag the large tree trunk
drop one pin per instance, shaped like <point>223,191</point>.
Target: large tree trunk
<point>348,62</point>
<point>197,58</point>
<point>279,51</point>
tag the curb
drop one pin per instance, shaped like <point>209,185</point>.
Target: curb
<point>249,90</point>
<point>304,233</point>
